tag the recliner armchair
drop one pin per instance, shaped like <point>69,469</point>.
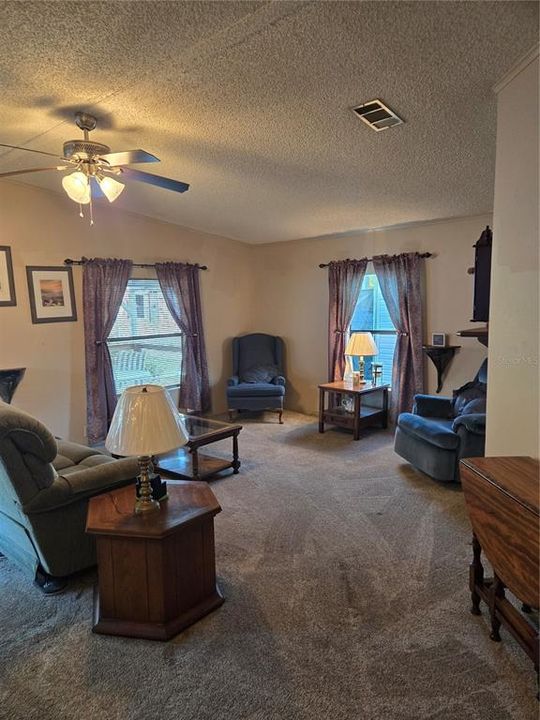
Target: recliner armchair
<point>45,486</point>
<point>442,430</point>
<point>258,382</point>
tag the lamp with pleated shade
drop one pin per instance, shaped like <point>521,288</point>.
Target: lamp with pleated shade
<point>145,423</point>
<point>361,344</point>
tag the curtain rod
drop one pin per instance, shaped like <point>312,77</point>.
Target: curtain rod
<point>369,259</point>
<point>84,260</point>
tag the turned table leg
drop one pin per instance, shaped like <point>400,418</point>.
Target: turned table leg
<point>496,593</point>
<point>476,576</point>
<point>236,460</point>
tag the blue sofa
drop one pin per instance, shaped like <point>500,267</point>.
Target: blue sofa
<point>258,382</point>
<point>442,430</point>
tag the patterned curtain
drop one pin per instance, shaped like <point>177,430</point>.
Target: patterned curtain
<point>400,279</point>
<point>344,284</point>
<point>104,285</point>
<point>180,286</point>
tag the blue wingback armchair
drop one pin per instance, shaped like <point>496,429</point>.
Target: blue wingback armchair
<point>442,430</point>
<point>258,382</point>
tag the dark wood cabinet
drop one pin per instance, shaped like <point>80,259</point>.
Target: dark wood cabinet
<point>482,276</point>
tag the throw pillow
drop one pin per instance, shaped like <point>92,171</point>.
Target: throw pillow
<point>466,393</point>
<point>478,405</point>
<point>260,374</point>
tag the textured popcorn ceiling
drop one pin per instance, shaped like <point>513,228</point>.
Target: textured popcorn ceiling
<point>249,102</point>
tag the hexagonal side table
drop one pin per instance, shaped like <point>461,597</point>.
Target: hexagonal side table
<point>156,570</point>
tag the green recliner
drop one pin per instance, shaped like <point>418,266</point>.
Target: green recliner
<point>45,486</point>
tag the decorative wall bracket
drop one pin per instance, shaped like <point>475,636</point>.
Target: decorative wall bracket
<point>441,357</point>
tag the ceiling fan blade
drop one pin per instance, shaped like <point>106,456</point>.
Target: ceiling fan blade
<point>158,180</point>
<point>129,156</point>
<point>30,170</point>
<point>40,152</point>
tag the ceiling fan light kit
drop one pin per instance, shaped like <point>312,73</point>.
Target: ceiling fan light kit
<point>92,160</point>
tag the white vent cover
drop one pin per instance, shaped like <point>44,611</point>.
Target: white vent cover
<point>377,115</point>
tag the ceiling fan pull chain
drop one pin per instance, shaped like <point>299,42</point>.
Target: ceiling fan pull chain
<point>81,214</point>
<point>91,212</point>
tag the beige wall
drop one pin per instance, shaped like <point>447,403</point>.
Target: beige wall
<point>43,228</point>
<point>512,420</point>
<point>292,296</point>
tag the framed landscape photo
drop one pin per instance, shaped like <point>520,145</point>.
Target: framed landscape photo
<point>52,297</point>
<point>7,285</point>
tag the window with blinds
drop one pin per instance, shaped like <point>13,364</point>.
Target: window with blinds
<point>145,343</point>
<point>371,315</point>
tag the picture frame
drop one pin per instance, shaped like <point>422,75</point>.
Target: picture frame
<point>51,292</point>
<point>438,339</point>
<point>7,283</point>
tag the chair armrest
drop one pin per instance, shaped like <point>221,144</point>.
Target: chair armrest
<point>83,483</point>
<point>278,380</point>
<point>234,380</point>
<point>433,406</point>
<point>472,422</point>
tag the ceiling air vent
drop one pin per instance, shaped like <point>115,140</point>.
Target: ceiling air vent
<point>377,115</point>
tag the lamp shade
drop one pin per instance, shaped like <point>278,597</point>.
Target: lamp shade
<point>77,187</point>
<point>361,344</point>
<point>145,422</point>
<point>110,187</point>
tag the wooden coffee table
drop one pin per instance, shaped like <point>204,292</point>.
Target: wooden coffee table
<point>156,570</point>
<point>188,463</point>
<point>370,406</point>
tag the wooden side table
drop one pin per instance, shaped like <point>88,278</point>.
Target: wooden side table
<point>370,406</point>
<point>156,570</point>
<point>501,494</point>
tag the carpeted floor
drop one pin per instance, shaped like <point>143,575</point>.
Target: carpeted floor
<point>345,576</point>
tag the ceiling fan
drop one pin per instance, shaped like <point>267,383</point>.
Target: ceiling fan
<point>93,164</point>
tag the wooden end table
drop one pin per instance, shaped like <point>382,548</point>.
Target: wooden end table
<point>188,463</point>
<point>157,569</point>
<point>370,406</point>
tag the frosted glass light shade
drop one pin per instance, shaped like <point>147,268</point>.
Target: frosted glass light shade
<point>361,344</point>
<point>110,187</point>
<point>145,422</point>
<point>77,187</point>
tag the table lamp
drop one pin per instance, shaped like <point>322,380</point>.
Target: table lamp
<point>361,344</point>
<point>145,423</point>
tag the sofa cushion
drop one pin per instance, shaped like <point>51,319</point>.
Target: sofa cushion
<point>255,390</point>
<point>260,374</point>
<point>432,430</point>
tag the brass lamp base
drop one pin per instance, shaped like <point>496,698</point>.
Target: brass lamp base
<point>145,502</point>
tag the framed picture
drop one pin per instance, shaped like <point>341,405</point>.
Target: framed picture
<point>7,285</point>
<point>438,339</point>
<point>52,298</point>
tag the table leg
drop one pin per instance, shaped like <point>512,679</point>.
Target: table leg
<point>357,405</point>
<point>476,576</point>
<point>496,593</point>
<point>321,410</point>
<point>195,463</point>
<point>236,461</point>
<point>385,409</point>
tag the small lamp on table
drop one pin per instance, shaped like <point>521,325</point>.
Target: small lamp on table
<point>145,423</point>
<point>361,344</point>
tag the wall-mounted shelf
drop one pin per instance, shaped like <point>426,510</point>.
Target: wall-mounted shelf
<point>481,334</point>
<point>441,357</point>
<point>9,379</point>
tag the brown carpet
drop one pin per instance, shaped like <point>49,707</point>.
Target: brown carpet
<point>345,576</point>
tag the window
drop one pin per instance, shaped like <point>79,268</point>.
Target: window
<point>145,343</point>
<point>371,315</point>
